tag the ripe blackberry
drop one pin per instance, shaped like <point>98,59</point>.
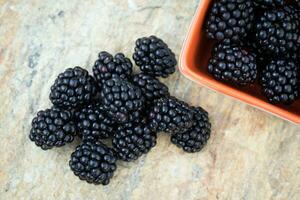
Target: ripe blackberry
<point>170,115</point>
<point>133,140</point>
<point>52,128</point>
<point>233,64</point>
<point>268,3</point>
<point>280,81</point>
<point>154,57</point>
<point>294,13</point>
<point>121,98</point>
<point>72,88</point>
<point>151,87</point>
<point>108,66</point>
<point>276,32</point>
<point>93,162</point>
<point>230,20</point>
<point>194,139</point>
<point>92,123</point>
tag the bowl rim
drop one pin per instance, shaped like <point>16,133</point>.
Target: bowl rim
<point>220,87</point>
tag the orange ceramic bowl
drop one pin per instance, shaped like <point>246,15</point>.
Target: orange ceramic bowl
<point>193,64</point>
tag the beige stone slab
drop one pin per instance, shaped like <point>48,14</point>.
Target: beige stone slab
<point>251,154</point>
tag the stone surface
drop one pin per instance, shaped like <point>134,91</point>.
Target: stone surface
<point>251,154</point>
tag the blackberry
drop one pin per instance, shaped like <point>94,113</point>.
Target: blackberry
<point>280,81</point>
<point>108,66</point>
<point>121,98</point>
<point>92,123</point>
<point>276,32</point>
<point>233,64</point>
<point>93,162</point>
<point>133,140</point>
<point>151,87</point>
<point>72,88</point>
<point>170,115</point>
<point>194,139</point>
<point>154,57</point>
<point>268,3</point>
<point>52,128</point>
<point>230,20</point>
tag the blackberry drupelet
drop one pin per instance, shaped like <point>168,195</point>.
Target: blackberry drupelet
<point>154,57</point>
<point>230,63</point>
<point>133,140</point>
<point>280,81</point>
<point>194,139</point>
<point>108,66</point>
<point>268,3</point>
<point>120,99</point>
<point>151,87</point>
<point>52,128</point>
<point>92,122</point>
<point>93,162</point>
<point>230,20</point>
<point>170,115</point>
<point>72,88</point>
<point>276,32</point>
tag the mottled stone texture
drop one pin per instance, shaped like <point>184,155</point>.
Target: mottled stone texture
<point>251,154</point>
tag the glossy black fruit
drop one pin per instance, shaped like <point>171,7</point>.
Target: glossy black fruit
<point>133,140</point>
<point>154,57</point>
<point>108,66</point>
<point>194,139</point>
<point>93,162</point>
<point>120,99</point>
<point>230,63</point>
<point>230,20</point>
<point>170,115</point>
<point>73,88</point>
<point>52,128</point>
<point>280,81</point>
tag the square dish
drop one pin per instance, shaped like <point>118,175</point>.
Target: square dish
<point>193,64</point>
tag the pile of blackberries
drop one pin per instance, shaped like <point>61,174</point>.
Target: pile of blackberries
<point>257,40</point>
<point>117,107</point>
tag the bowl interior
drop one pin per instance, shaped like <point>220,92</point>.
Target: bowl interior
<point>194,61</point>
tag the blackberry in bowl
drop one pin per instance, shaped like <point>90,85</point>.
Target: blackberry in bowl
<point>230,20</point>
<point>277,32</point>
<point>280,81</point>
<point>268,3</point>
<point>230,63</point>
